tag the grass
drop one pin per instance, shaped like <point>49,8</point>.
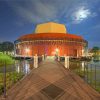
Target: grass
<point>11,78</point>
<point>5,59</point>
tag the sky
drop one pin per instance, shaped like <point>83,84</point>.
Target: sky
<point>81,17</point>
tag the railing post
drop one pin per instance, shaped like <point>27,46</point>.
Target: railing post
<point>5,79</point>
<point>95,76</point>
<point>91,74</point>
<point>87,73</point>
<point>84,72</point>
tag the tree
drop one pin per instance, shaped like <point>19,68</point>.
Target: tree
<point>0,47</point>
<point>96,53</point>
<point>7,46</point>
<point>95,50</point>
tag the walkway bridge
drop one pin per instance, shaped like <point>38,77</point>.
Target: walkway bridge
<point>51,81</point>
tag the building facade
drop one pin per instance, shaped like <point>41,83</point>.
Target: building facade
<point>51,39</point>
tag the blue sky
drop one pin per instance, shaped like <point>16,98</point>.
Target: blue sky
<point>81,17</point>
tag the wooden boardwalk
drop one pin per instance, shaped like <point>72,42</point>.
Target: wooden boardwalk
<point>51,81</point>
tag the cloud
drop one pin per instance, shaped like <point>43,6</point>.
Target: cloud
<point>81,14</point>
<point>34,11</point>
<point>45,10</point>
<point>38,11</point>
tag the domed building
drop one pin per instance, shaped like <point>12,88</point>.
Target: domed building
<point>50,39</point>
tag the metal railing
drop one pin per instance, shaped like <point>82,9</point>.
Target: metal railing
<point>12,73</point>
<point>89,72</point>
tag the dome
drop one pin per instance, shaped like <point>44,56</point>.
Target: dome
<point>50,27</point>
<point>50,31</point>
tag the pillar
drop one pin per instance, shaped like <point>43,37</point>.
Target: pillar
<point>35,61</point>
<point>66,62</point>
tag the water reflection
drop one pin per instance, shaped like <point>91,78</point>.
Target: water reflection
<point>83,66</point>
<point>89,69</point>
<point>17,68</point>
<point>24,66</point>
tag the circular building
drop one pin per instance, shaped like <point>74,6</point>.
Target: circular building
<point>50,39</point>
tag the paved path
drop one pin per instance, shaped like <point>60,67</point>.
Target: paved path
<point>51,81</point>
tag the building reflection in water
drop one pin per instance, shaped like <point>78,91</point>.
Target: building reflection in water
<point>23,66</point>
<point>26,67</point>
<point>83,66</point>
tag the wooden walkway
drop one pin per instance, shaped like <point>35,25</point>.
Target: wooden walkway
<point>51,81</point>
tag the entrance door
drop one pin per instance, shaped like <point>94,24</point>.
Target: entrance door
<point>75,53</point>
<point>50,58</point>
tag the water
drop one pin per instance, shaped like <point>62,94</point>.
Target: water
<point>24,66</point>
<point>93,68</point>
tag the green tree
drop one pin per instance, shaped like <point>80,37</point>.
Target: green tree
<point>95,50</point>
<point>7,46</point>
<point>96,53</point>
<point>0,47</point>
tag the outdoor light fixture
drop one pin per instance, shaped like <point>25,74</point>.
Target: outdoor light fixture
<point>27,50</point>
<point>56,49</point>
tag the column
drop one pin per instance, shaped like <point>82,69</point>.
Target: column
<point>66,62</point>
<point>35,61</point>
